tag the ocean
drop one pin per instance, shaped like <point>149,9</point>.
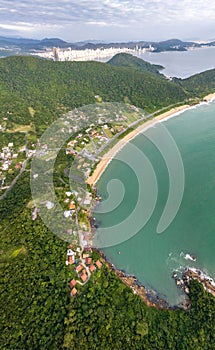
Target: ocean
<point>150,255</point>
<point>182,64</point>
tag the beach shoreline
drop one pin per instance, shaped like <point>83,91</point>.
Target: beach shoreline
<point>151,300</point>
<point>106,159</point>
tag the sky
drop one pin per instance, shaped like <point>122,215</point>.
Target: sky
<point>108,20</point>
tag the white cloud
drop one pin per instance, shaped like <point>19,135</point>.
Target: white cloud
<point>140,19</point>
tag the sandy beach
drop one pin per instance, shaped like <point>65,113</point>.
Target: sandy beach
<point>209,97</point>
<point>113,151</point>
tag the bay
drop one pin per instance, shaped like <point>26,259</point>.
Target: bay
<point>153,257</point>
<point>179,64</point>
<point>182,64</point>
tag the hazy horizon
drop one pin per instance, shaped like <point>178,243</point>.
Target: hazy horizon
<point>198,40</point>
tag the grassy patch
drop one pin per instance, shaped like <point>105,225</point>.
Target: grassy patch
<point>21,128</point>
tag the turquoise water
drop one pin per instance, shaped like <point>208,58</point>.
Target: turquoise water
<point>150,256</point>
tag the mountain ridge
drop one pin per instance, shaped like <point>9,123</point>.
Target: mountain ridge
<point>25,44</point>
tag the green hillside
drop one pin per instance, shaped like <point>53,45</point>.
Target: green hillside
<point>129,61</point>
<point>200,84</point>
<point>36,309</point>
<point>52,87</point>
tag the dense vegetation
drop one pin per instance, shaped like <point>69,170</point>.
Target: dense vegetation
<point>109,316</point>
<point>36,309</point>
<point>199,84</point>
<point>129,61</point>
<point>33,277</point>
<point>52,87</point>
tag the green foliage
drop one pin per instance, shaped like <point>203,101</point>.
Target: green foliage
<point>130,61</point>
<point>49,88</point>
<point>199,85</point>
<point>107,315</point>
<point>33,277</point>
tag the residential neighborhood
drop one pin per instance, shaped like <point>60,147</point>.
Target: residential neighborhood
<point>83,265</point>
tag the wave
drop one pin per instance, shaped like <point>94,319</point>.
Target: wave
<point>202,275</point>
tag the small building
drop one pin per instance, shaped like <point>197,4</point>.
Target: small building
<point>70,252</point>
<point>79,268</point>
<point>88,261</point>
<point>73,292</point>
<point>92,268</point>
<point>84,277</point>
<point>85,255</point>
<point>88,249</point>
<point>68,193</point>
<point>71,259</point>
<point>98,264</point>
<point>66,213</point>
<point>71,206</point>
<point>17,166</point>
<point>72,283</point>
<point>5,166</point>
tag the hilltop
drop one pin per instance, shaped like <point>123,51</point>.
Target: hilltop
<point>129,61</point>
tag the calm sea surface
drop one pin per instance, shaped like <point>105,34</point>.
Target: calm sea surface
<point>152,257</point>
<point>181,64</point>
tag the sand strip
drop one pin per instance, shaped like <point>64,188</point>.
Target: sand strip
<point>113,151</point>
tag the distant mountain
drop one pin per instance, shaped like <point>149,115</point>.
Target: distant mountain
<point>31,44</point>
<point>84,42</point>
<point>212,43</point>
<point>167,45</point>
<point>24,45</point>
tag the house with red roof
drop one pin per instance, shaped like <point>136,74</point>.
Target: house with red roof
<point>79,268</point>
<point>92,268</point>
<point>88,261</point>
<point>72,283</point>
<point>73,292</point>
<point>71,259</point>
<point>84,277</point>
<point>98,264</point>
<point>71,206</point>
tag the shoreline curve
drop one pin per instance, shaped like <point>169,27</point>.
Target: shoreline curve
<point>106,159</point>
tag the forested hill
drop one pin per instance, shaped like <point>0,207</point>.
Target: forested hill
<point>52,87</point>
<point>130,61</point>
<point>199,84</point>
